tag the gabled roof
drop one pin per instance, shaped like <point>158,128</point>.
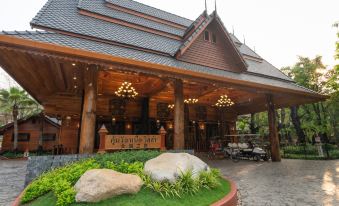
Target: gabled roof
<point>73,29</point>
<point>142,56</point>
<point>48,119</point>
<point>201,28</point>
<point>98,8</point>
<point>145,9</point>
<point>63,15</point>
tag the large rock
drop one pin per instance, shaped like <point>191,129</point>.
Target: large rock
<point>169,166</point>
<point>100,184</point>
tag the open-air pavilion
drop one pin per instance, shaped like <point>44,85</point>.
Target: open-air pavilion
<point>136,70</point>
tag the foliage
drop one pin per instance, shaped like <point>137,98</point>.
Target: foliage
<point>309,151</point>
<point>17,96</point>
<point>315,119</point>
<point>185,184</point>
<point>61,180</point>
<point>127,156</point>
<point>148,197</point>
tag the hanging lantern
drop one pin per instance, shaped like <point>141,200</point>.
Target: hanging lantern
<point>126,91</point>
<point>224,101</point>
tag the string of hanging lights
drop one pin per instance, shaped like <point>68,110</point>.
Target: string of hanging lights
<point>224,101</point>
<point>126,90</point>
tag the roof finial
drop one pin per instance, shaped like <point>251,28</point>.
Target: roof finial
<point>206,5</point>
<point>244,39</point>
<point>215,4</point>
<point>233,29</point>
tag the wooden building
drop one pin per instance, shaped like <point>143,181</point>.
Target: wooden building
<point>190,77</point>
<point>30,131</point>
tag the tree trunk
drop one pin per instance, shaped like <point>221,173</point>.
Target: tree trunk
<point>15,122</point>
<point>297,125</point>
<point>253,128</point>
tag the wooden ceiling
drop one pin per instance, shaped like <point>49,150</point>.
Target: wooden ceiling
<point>57,83</point>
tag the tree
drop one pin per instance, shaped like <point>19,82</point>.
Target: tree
<point>17,102</point>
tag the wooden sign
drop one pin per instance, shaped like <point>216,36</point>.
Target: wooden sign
<point>121,142</point>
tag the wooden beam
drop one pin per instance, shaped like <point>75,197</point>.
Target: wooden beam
<point>273,133</point>
<point>87,132</point>
<point>179,131</point>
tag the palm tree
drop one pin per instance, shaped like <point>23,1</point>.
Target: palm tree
<point>17,102</point>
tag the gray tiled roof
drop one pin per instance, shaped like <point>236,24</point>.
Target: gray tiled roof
<point>63,15</point>
<point>100,8</point>
<point>113,50</point>
<point>142,8</point>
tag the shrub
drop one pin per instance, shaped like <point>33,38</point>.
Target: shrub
<point>186,183</point>
<point>61,180</point>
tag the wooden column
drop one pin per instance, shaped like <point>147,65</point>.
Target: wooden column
<point>87,132</point>
<point>179,123</point>
<point>273,133</point>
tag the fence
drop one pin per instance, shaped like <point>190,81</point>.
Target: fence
<point>309,151</point>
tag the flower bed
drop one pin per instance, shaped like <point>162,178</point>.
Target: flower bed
<point>56,187</point>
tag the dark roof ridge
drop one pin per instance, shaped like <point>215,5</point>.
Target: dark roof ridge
<point>26,32</point>
<point>151,7</point>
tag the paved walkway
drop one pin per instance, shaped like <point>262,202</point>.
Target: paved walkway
<point>12,178</point>
<point>291,182</point>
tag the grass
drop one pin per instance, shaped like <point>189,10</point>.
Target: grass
<point>310,152</point>
<point>147,197</point>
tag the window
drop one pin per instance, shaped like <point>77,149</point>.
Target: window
<point>48,137</point>
<point>207,36</point>
<point>214,38</point>
<point>22,137</point>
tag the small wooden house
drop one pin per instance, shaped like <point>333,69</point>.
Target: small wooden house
<point>31,130</point>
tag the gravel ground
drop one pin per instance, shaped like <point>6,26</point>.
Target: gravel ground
<point>12,178</point>
<point>290,182</point>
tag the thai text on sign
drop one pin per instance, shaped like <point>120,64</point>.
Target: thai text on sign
<point>120,142</point>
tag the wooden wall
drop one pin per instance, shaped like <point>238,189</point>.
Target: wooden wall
<point>34,129</point>
<point>69,135</point>
<point>216,55</point>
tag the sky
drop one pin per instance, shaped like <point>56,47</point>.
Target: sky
<point>279,30</point>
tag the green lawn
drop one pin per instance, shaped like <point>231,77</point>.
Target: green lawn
<point>147,197</point>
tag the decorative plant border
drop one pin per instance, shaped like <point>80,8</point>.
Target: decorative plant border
<point>231,199</point>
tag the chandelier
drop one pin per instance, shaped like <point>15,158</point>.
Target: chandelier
<point>126,91</point>
<point>224,101</point>
<point>191,101</point>
<point>171,106</point>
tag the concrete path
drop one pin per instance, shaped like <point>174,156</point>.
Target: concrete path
<point>291,182</point>
<point>12,178</point>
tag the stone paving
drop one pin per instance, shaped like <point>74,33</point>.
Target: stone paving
<point>12,178</point>
<point>291,182</point>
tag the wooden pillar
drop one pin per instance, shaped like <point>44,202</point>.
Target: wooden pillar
<point>273,133</point>
<point>179,123</point>
<point>87,132</point>
<point>102,133</point>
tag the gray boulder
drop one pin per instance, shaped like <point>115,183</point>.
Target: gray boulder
<point>100,184</point>
<point>169,166</point>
